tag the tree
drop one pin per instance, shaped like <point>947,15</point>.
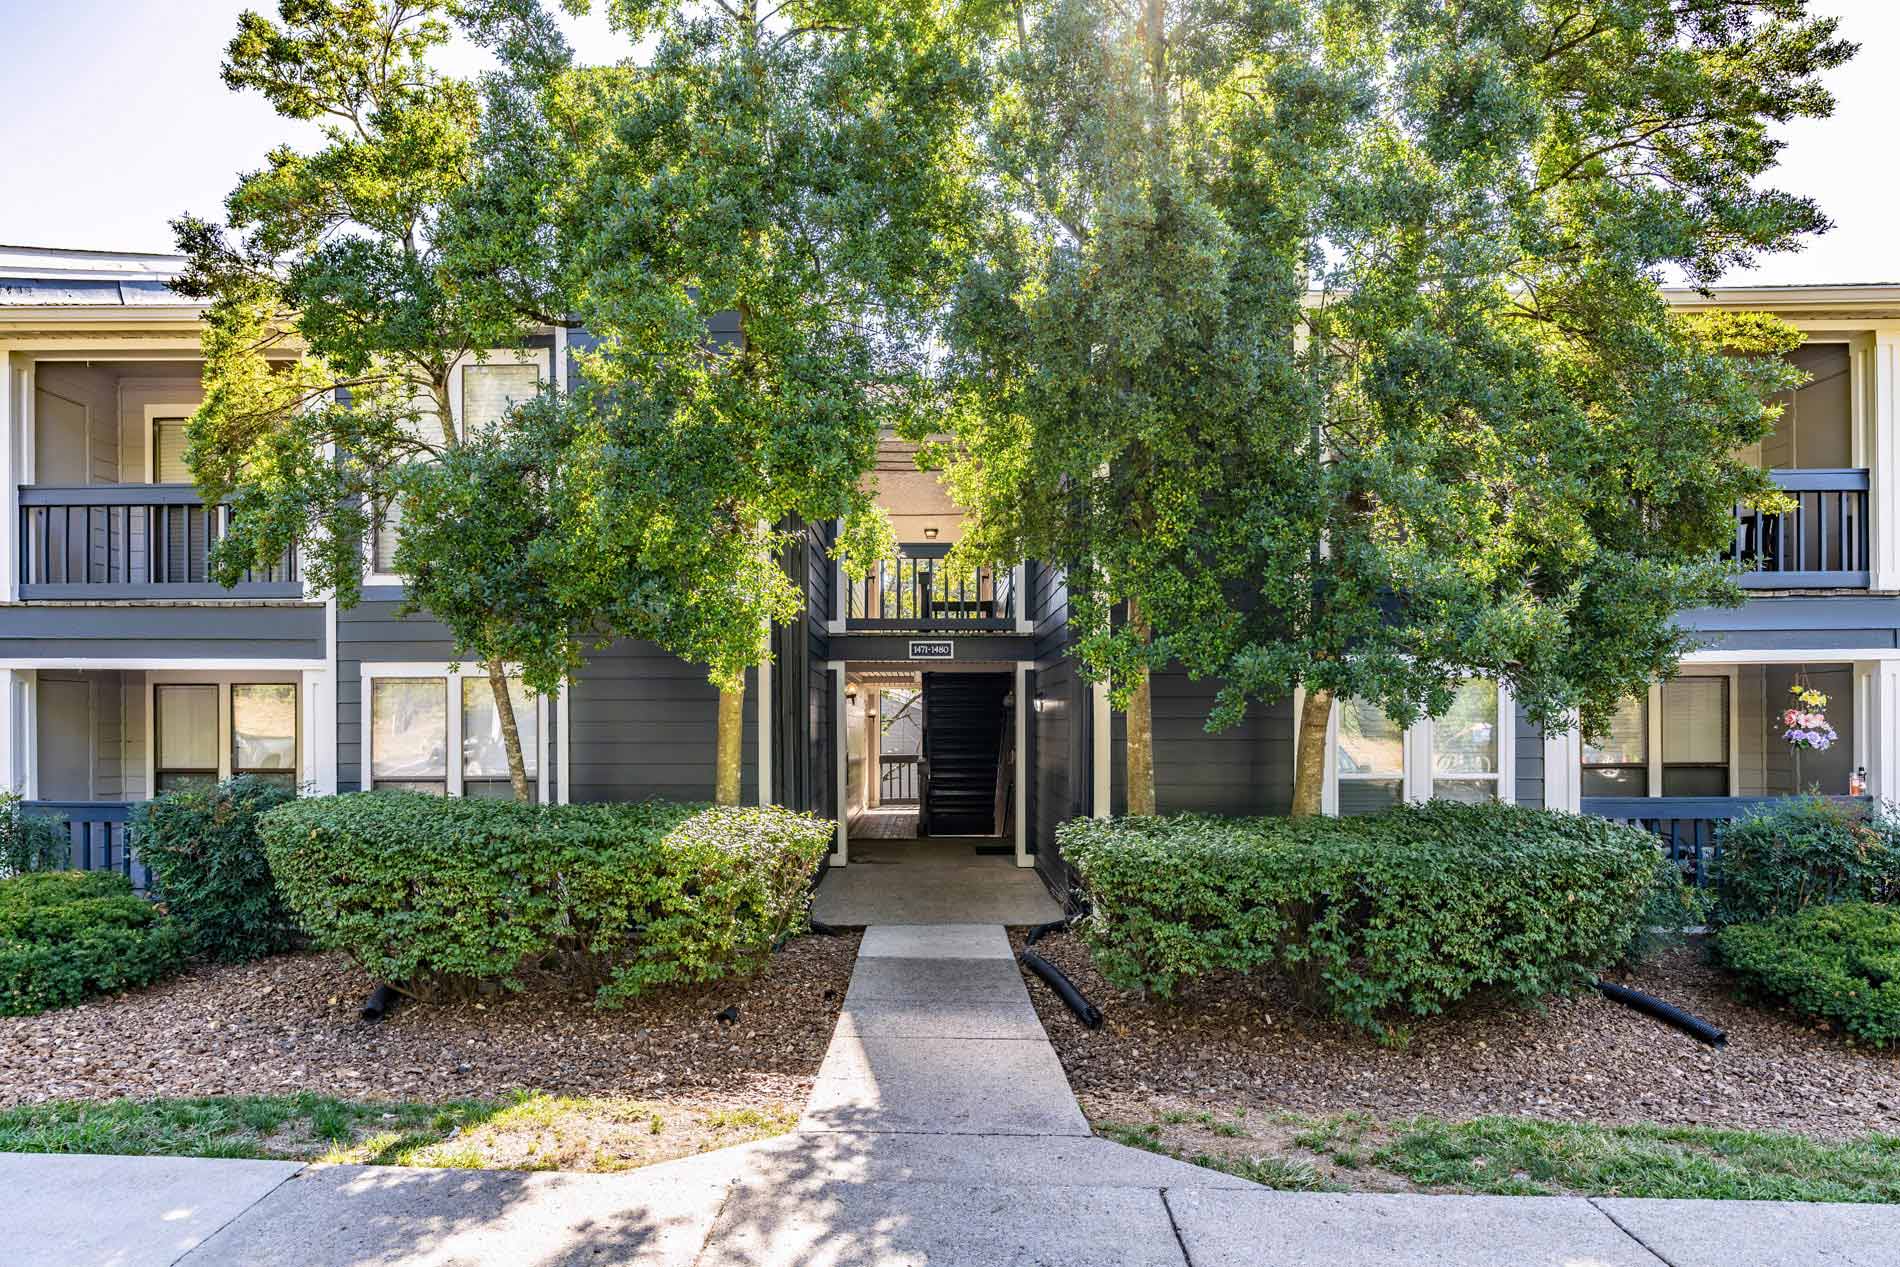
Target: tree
<point>349,284</point>
<point>791,178</point>
<point>1440,421</point>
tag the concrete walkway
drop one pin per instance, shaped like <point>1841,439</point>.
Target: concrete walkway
<point>940,1131</point>
<point>931,882</point>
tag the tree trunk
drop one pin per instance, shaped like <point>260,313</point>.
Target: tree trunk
<point>1140,753</point>
<point>510,733</point>
<point>731,745</point>
<point>1309,759</point>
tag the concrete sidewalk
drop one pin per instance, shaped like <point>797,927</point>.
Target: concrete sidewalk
<point>941,1131</point>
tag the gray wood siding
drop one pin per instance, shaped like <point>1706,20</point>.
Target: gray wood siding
<point>1246,769</point>
<point>1058,727</point>
<point>645,724</point>
<point>223,631</point>
<point>1530,762</point>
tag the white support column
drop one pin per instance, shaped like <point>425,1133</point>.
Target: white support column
<point>13,414</point>
<point>12,698</point>
<point>1563,770</point>
<point>1020,581</point>
<point>874,750</point>
<point>1882,457</point>
<point>840,741</point>
<point>1101,728</point>
<point>318,694</point>
<point>26,739</point>
<point>767,710</point>
<point>1883,758</point>
<point>1022,771</point>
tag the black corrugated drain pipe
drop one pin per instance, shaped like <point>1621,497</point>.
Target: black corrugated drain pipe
<point>380,1001</point>
<point>1694,1026</point>
<point>1085,1011</point>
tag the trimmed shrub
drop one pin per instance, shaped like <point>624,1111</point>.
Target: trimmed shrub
<point>1804,851</point>
<point>209,865</point>
<point>30,842</point>
<point>67,934</point>
<point>1840,963</point>
<point>1397,915</point>
<point>434,894</point>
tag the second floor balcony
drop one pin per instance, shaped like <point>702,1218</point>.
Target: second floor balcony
<point>919,590</point>
<point>129,542</point>
<point>1822,543</point>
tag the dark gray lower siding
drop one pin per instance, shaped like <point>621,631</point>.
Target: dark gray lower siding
<point>645,724</point>
<point>1247,769</point>
<point>133,631</point>
<point>1530,762</point>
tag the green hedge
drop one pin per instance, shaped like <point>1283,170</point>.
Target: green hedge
<point>67,934</point>
<point>434,894</point>
<point>1840,963</point>
<point>1804,851</point>
<point>1375,919</point>
<point>208,861</point>
<point>30,842</point>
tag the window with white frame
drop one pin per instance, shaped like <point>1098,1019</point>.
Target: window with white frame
<point>185,735</point>
<point>437,732</point>
<point>1464,754</point>
<point>204,731</point>
<point>483,392</point>
<point>264,731</point>
<point>1616,762</point>
<point>1676,739</point>
<point>1369,759</point>
<point>1467,745</point>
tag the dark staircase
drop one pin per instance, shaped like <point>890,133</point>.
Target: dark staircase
<point>965,720</point>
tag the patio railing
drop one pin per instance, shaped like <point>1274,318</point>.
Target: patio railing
<point>126,541</point>
<point>1821,543</point>
<point>96,831</point>
<point>1686,825</point>
<point>897,780</point>
<point>916,590</point>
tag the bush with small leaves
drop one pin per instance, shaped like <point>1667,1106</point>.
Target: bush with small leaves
<point>434,894</point>
<point>65,935</point>
<point>209,866</point>
<point>1840,963</point>
<point>1375,919</point>
<point>1803,851</point>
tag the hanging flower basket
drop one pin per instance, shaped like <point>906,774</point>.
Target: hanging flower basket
<point>1805,725</point>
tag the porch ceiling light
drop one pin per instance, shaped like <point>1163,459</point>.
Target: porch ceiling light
<point>930,534</point>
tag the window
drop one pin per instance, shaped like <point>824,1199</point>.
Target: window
<point>185,734</point>
<point>264,731</point>
<point>1370,759</point>
<point>1695,736</point>
<point>168,452</point>
<point>1465,745</point>
<point>409,734</point>
<point>486,393</point>
<point>1616,763</point>
<point>484,755</point>
<point>421,717</point>
<point>490,391</point>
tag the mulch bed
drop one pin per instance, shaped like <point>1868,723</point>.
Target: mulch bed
<point>1233,1044</point>
<point>290,1024</point>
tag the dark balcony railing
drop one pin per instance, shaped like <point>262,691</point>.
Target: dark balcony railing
<point>131,541</point>
<point>96,831</point>
<point>1820,543</point>
<point>897,780</point>
<point>917,590</point>
<point>1686,825</point>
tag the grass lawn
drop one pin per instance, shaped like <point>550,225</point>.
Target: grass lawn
<point>1510,1156</point>
<point>525,1131</point>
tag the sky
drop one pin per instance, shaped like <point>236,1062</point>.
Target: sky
<point>112,115</point>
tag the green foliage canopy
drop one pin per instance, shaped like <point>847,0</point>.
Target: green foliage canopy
<point>1330,332</point>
